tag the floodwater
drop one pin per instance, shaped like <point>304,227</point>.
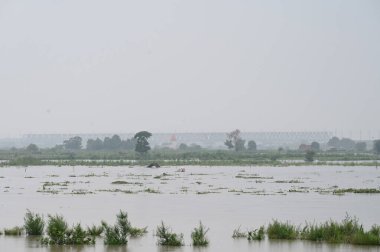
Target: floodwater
<point>223,198</point>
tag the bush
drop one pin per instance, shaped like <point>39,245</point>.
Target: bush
<point>278,230</point>
<point>33,223</point>
<point>13,231</point>
<point>56,230</point>
<point>118,234</point>
<point>199,235</point>
<point>167,238</point>
<point>95,230</point>
<point>238,234</point>
<point>257,234</point>
<point>58,233</point>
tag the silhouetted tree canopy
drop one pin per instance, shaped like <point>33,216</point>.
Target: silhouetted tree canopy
<point>74,143</point>
<point>142,144</point>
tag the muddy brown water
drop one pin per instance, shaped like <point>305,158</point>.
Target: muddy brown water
<point>223,198</point>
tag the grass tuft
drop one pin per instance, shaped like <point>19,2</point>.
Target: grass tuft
<point>199,235</point>
<point>278,230</point>
<point>167,238</point>
<point>33,223</point>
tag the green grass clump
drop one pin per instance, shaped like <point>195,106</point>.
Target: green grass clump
<point>199,235</point>
<point>33,223</point>
<point>167,238</point>
<point>256,235</point>
<point>278,230</point>
<point>13,231</point>
<point>95,230</point>
<point>117,234</point>
<point>136,232</point>
<point>238,234</point>
<point>356,190</point>
<point>348,231</point>
<point>58,233</point>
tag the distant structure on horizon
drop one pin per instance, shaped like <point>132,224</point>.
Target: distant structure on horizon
<point>212,140</point>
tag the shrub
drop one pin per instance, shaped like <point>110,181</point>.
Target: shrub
<point>33,223</point>
<point>167,238</point>
<point>257,234</point>
<point>95,230</point>
<point>199,235</point>
<point>56,230</point>
<point>13,231</point>
<point>238,234</point>
<point>278,230</point>
<point>118,234</point>
<point>78,236</point>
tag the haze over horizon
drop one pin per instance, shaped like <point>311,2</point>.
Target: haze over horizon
<point>189,66</point>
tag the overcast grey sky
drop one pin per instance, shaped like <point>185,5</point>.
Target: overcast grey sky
<point>179,66</point>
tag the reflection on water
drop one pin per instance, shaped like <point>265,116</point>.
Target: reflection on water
<point>223,198</point>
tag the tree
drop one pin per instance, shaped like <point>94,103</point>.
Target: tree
<point>235,141</point>
<point>315,146</point>
<point>112,143</point>
<point>333,142</point>
<point>183,146</point>
<point>94,144</point>
<point>32,148</point>
<point>74,143</point>
<point>252,145</point>
<point>347,144</point>
<point>142,144</point>
<point>309,156</point>
<point>128,144</point>
<point>376,146</point>
<point>361,146</point>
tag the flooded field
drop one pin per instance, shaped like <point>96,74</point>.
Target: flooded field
<point>223,198</point>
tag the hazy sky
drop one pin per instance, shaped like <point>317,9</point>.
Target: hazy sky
<point>178,66</point>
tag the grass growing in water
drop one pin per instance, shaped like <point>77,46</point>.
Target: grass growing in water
<point>33,223</point>
<point>348,231</point>
<point>238,234</point>
<point>58,233</point>
<point>13,231</point>
<point>199,235</point>
<point>95,230</point>
<point>278,230</point>
<point>257,234</point>
<point>167,238</point>
<point>118,234</point>
<point>356,190</point>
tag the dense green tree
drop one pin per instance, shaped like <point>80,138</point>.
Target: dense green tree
<point>128,144</point>
<point>347,144</point>
<point>94,144</point>
<point>74,143</point>
<point>32,148</point>
<point>252,145</point>
<point>112,143</point>
<point>183,146</point>
<point>309,156</point>
<point>235,141</point>
<point>315,146</point>
<point>361,146</point>
<point>142,144</point>
<point>333,142</point>
<point>376,146</point>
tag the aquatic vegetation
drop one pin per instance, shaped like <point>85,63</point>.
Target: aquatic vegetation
<point>136,232</point>
<point>238,234</point>
<point>282,230</point>
<point>118,182</point>
<point>256,234</point>
<point>78,236</point>
<point>199,235</point>
<point>14,231</point>
<point>117,234</point>
<point>56,230</point>
<point>167,238</point>
<point>95,230</point>
<point>356,190</point>
<point>151,190</point>
<point>33,223</point>
<point>348,231</point>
